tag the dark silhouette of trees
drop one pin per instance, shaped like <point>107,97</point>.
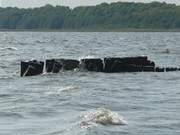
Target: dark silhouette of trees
<point>117,15</point>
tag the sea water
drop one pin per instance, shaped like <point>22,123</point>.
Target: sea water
<point>89,103</point>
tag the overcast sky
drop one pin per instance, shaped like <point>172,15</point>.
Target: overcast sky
<point>71,3</point>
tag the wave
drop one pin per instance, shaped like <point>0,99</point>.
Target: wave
<point>40,42</point>
<point>9,48</point>
<point>11,115</point>
<point>69,88</point>
<point>4,95</point>
<point>102,116</point>
<point>3,67</point>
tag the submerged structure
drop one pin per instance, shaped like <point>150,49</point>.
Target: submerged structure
<point>106,65</point>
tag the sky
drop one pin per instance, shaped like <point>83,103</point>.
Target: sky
<point>71,3</point>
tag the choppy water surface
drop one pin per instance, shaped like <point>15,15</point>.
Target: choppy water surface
<point>89,103</point>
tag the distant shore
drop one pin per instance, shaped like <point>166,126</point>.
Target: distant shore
<point>90,30</point>
<point>105,17</point>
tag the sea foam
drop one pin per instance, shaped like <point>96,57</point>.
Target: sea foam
<point>102,116</point>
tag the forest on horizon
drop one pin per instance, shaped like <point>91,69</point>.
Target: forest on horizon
<point>117,15</point>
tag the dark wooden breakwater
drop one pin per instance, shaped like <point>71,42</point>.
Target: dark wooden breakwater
<point>106,65</point>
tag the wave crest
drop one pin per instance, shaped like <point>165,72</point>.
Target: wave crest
<point>87,57</point>
<point>69,88</point>
<point>9,48</point>
<point>102,116</point>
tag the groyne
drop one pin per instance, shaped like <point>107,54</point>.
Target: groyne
<point>106,65</point>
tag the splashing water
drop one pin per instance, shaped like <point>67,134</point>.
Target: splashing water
<point>102,116</point>
<point>87,57</point>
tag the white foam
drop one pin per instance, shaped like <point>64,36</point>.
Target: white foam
<point>69,88</point>
<point>44,67</point>
<point>87,57</point>
<point>102,116</point>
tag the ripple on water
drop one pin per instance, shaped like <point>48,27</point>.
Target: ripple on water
<point>11,115</point>
<point>4,95</point>
<point>9,48</point>
<point>68,88</point>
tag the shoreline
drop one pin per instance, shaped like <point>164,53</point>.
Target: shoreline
<point>89,30</point>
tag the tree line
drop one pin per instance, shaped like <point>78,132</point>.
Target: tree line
<point>116,15</point>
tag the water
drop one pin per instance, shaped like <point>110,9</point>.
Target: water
<point>89,103</point>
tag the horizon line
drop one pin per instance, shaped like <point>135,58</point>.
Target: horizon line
<point>32,7</point>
